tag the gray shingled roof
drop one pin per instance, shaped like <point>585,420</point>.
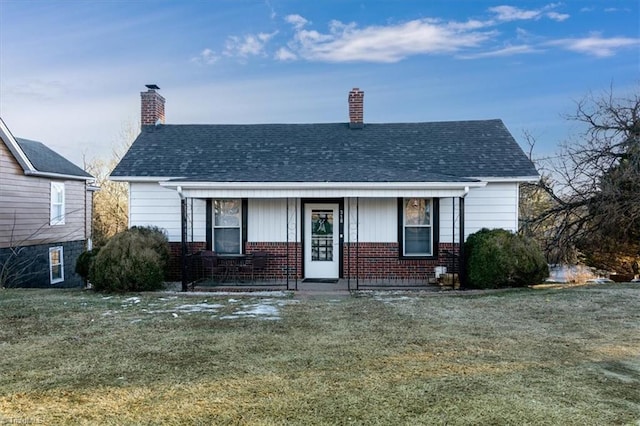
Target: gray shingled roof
<point>46,160</point>
<point>331,152</point>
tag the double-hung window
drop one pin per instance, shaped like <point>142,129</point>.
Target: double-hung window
<point>57,203</point>
<point>227,228</point>
<point>417,227</point>
<point>56,265</point>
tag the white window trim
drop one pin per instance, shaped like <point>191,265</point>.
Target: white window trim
<point>239,227</point>
<point>404,228</point>
<point>51,279</point>
<point>57,187</point>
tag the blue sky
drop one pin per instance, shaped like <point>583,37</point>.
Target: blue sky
<point>71,71</point>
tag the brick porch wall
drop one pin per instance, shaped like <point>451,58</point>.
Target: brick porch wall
<point>374,260</point>
<point>277,261</point>
<point>381,260</point>
<point>174,270</point>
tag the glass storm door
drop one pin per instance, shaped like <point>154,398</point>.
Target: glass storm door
<point>321,242</point>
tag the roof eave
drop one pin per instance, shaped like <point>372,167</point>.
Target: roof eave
<point>174,184</point>
<point>52,175</point>
<point>15,149</point>
<point>142,178</point>
<point>506,179</point>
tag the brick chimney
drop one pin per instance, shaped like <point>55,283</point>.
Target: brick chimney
<point>152,106</point>
<point>356,108</point>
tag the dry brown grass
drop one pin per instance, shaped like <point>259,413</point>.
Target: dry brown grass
<point>549,356</point>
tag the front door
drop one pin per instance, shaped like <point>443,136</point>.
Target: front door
<point>321,241</point>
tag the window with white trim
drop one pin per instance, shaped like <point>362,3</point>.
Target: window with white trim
<point>227,226</point>
<point>57,203</point>
<point>56,265</point>
<point>417,227</point>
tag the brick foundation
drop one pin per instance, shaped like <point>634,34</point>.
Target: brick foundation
<point>174,269</point>
<point>277,260</point>
<point>367,260</point>
<point>382,261</point>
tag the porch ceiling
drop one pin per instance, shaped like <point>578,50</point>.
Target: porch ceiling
<point>321,189</point>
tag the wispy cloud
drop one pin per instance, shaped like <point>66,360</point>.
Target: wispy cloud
<point>284,54</point>
<point>559,17</point>
<point>511,13</point>
<point>272,11</point>
<point>471,39</point>
<point>206,57</point>
<point>296,20</point>
<point>391,43</point>
<point>616,9</point>
<point>38,90</point>
<point>248,45</point>
<point>596,45</point>
<point>506,51</point>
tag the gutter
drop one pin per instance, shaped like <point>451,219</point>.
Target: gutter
<point>57,175</point>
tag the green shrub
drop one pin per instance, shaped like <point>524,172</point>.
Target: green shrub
<point>84,263</point>
<point>497,258</point>
<point>133,260</point>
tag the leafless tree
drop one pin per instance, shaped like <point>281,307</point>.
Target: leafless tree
<point>111,202</point>
<point>592,187</point>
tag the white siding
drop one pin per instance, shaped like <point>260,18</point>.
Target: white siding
<point>152,205</point>
<point>377,219</point>
<point>494,206</point>
<point>196,219</point>
<point>448,221</point>
<point>267,220</point>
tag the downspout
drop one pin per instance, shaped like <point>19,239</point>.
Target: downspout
<point>183,238</point>
<point>462,266</point>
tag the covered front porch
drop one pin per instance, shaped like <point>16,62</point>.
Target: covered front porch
<point>351,238</point>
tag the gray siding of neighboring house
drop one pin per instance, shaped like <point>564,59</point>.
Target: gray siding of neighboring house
<point>25,207</point>
<point>28,266</point>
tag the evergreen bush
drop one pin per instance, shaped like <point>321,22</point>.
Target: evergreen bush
<point>497,258</point>
<point>84,263</point>
<point>133,260</point>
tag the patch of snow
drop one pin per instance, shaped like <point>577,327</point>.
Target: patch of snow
<point>278,293</point>
<point>175,315</point>
<point>287,302</point>
<point>259,309</point>
<point>264,310</point>
<point>133,300</point>
<point>199,307</point>
<point>136,320</point>
<point>230,317</point>
<point>390,297</point>
<point>107,297</point>
<point>600,281</point>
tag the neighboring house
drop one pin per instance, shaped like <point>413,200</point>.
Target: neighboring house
<point>371,201</point>
<point>45,214</point>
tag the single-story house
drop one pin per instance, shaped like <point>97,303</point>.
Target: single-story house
<point>353,200</point>
<point>45,214</point>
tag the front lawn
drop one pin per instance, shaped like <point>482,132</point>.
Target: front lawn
<point>549,356</point>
